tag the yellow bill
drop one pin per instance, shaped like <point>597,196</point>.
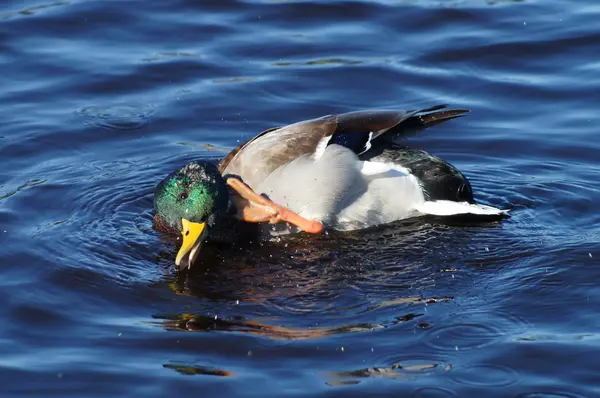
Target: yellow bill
<point>193,235</point>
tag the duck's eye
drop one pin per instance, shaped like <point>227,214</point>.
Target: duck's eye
<point>183,196</point>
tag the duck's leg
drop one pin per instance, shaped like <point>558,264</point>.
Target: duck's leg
<point>251,212</point>
<point>253,207</point>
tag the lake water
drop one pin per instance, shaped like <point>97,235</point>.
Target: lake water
<point>101,99</point>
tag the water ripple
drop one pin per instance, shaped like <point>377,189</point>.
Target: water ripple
<point>434,392</point>
<point>33,11</point>
<point>548,394</point>
<point>418,363</point>
<point>424,308</point>
<point>484,329</point>
<point>22,187</point>
<point>118,116</point>
<point>406,369</point>
<point>105,225</point>
<point>486,375</point>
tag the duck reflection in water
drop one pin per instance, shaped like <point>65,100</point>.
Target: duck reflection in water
<point>320,276</point>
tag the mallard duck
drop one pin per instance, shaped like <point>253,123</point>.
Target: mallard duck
<point>340,172</point>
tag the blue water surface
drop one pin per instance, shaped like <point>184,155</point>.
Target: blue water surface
<point>101,99</point>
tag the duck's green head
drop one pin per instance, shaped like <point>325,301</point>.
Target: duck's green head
<point>191,200</point>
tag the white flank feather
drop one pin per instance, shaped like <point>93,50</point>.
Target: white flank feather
<point>449,208</point>
<point>335,189</point>
<point>321,146</point>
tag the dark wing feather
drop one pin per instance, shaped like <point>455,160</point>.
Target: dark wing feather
<point>426,118</point>
<point>357,130</point>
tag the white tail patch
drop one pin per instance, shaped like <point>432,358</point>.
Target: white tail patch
<point>321,146</point>
<point>450,208</point>
<point>368,143</point>
<point>372,168</point>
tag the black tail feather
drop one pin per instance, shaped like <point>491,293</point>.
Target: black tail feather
<point>358,130</point>
<point>433,118</point>
<point>425,118</point>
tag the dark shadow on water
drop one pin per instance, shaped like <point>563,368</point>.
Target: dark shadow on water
<point>193,369</point>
